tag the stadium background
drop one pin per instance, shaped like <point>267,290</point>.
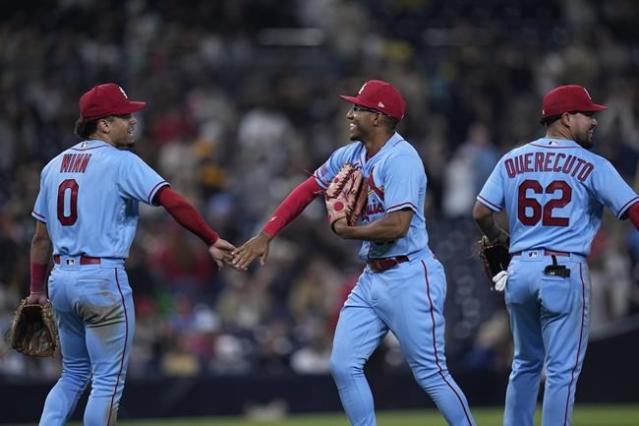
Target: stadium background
<point>242,106</point>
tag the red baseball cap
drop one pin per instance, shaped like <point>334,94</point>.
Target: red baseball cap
<point>107,99</point>
<point>569,98</point>
<point>380,96</point>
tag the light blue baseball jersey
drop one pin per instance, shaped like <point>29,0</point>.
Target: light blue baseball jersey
<point>89,198</point>
<point>554,192</point>
<point>396,180</point>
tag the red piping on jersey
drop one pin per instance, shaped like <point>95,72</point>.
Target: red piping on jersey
<point>554,146</point>
<point>157,187</point>
<point>38,216</point>
<point>322,181</point>
<point>632,213</point>
<point>185,214</point>
<point>402,206</point>
<point>581,333</point>
<point>124,354</point>
<point>292,206</point>
<point>488,204</point>
<point>89,148</point>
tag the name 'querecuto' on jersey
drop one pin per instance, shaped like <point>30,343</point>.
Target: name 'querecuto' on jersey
<point>89,197</point>
<point>554,191</point>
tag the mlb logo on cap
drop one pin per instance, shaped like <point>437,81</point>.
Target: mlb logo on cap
<point>380,96</point>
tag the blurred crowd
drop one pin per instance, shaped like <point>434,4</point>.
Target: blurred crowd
<point>243,105</point>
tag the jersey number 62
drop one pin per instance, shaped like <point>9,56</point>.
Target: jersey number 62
<point>530,211</point>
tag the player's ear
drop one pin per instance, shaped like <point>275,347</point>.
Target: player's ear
<point>104,124</point>
<point>379,119</point>
<point>566,119</point>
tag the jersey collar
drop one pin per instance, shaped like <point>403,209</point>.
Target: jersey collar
<point>390,144</point>
<point>89,144</point>
<point>556,143</point>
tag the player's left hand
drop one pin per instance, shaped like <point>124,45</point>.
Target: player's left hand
<point>221,252</point>
<point>37,298</point>
<point>346,196</point>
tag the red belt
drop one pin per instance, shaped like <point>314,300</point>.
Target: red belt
<point>84,260</point>
<point>380,265</point>
<point>546,252</point>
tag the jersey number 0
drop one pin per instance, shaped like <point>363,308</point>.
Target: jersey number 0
<point>68,185</point>
<point>538,212</point>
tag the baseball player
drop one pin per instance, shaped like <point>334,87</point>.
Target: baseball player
<point>553,191</point>
<point>87,209</point>
<point>403,286</point>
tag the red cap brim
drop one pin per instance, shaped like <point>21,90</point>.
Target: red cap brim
<point>596,107</point>
<point>351,99</point>
<point>132,106</point>
<point>355,100</point>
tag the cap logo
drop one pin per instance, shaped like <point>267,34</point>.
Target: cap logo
<point>123,93</point>
<point>587,94</point>
<point>362,88</point>
<point>380,104</point>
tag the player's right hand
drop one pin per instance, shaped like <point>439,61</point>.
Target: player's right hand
<point>339,226</point>
<point>256,246</point>
<point>221,252</point>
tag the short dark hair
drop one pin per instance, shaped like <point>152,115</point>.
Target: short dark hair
<point>391,123</point>
<point>547,121</point>
<point>85,128</point>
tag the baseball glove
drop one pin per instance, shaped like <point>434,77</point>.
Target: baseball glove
<point>33,331</point>
<point>346,195</point>
<point>494,255</point>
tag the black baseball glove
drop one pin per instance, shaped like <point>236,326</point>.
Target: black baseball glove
<point>495,257</point>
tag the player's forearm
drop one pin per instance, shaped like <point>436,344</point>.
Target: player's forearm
<point>488,227</point>
<point>387,228</point>
<point>186,215</point>
<point>39,254</point>
<point>486,222</point>
<point>292,206</point>
<point>40,250</point>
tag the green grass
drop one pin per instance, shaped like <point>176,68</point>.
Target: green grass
<point>585,415</point>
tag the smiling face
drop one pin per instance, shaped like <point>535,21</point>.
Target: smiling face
<point>362,121</point>
<point>119,129</point>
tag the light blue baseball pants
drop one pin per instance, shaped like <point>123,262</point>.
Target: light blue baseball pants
<point>550,323</point>
<point>409,300</point>
<point>96,319</point>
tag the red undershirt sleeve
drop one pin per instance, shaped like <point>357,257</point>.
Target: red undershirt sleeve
<point>633,215</point>
<point>185,214</point>
<point>38,274</point>
<point>292,206</point>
